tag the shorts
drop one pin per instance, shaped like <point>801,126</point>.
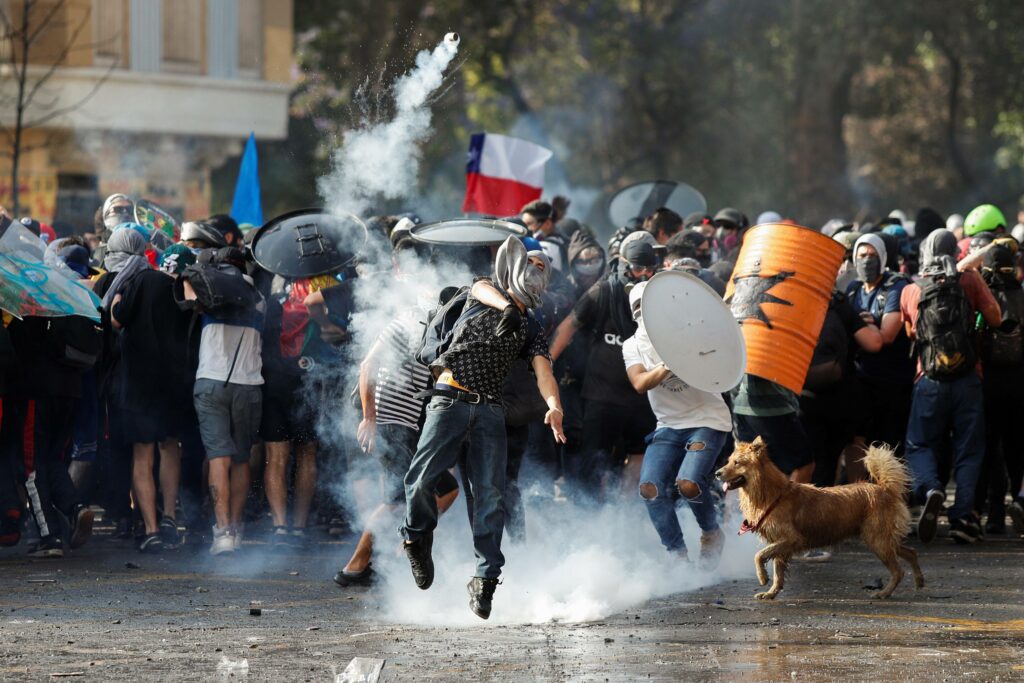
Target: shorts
<point>788,445</point>
<point>229,418</point>
<point>395,447</point>
<point>286,417</point>
<point>152,426</point>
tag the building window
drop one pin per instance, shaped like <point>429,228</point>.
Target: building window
<point>250,38</point>
<point>108,30</point>
<point>182,36</point>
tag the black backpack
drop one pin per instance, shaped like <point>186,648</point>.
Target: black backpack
<point>945,328</point>
<point>442,321</point>
<point>1004,346</point>
<point>221,289</point>
<point>74,341</point>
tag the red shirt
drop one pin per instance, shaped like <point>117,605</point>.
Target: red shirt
<point>977,295</point>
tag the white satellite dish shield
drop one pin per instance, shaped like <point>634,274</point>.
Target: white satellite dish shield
<point>693,331</point>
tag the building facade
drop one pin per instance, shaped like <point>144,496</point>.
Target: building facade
<point>143,97</point>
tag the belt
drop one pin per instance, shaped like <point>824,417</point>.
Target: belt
<point>470,397</point>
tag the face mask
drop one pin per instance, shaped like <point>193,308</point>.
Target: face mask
<point>704,259</point>
<point>196,250</point>
<point>112,221</point>
<point>588,269</point>
<point>534,281</point>
<point>868,269</point>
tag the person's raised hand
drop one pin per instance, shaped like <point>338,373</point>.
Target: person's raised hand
<point>510,321</point>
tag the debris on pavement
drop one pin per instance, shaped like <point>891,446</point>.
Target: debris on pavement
<point>360,670</point>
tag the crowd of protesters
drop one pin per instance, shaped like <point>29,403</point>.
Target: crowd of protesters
<point>178,417</point>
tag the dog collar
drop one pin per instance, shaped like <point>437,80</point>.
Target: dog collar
<point>746,526</point>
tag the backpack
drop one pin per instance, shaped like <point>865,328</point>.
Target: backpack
<point>221,289</point>
<point>74,341</point>
<point>1004,346</point>
<point>945,328</point>
<point>442,321</point>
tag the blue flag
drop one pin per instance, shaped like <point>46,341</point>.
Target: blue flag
<point>247,207</point>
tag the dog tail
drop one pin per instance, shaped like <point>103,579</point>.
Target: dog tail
<point>886,470</point>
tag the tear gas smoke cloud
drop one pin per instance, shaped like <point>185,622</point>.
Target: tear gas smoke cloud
<point>577,565</point>
<point>383,160</point>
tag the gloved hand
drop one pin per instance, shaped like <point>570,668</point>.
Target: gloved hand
<point>510,321</point>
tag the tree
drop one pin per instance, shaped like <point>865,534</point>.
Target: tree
<point>32,52</point>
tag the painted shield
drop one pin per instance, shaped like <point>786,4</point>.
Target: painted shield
<point>467,232</point>
<point>693,331</point>
<point>642,199</point>
<point>779,293</point>
<point>308,242</point>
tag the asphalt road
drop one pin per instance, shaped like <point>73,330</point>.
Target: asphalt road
<point>107,613</point>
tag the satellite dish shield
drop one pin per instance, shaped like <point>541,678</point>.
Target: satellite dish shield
<point>642,199</point>
<point>308,242</point>
<point>693,331</point>
<point>467,232</point>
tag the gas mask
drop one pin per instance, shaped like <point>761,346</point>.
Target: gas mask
<point>534,281</point>
<point>728,238</point>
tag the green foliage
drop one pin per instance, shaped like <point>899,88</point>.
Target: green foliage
<point>814,108</point>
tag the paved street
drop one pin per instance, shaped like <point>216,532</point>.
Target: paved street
<point>108,613</point>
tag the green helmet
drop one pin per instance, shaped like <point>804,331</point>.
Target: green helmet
<point>983,219</point>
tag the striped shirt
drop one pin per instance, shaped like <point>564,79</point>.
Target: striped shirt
<point>399,376</point>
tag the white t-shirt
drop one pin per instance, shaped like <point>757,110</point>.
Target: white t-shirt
<point>675,403</point>
<point>217,347</point>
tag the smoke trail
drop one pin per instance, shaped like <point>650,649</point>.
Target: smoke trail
<point>383,160</point>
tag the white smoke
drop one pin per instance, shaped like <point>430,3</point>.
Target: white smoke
<point>383,160</point>
<point>577,565</point>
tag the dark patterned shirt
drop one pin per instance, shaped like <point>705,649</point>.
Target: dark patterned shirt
<point>480,360</point>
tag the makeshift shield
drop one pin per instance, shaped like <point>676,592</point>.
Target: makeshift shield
<point>693,331</point>
<point>151,216</point>
<point>467,232</point>
<point>779,293</point>
<point>642,199</point>
<point>308,242</point>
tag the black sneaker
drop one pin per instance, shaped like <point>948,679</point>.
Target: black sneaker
<point>995,526</point>
<point>363,578</point>
<point>420,561</point>
<point>49,546</point>
<point>1016,511</point>
<point>151,543</point>
<point>81,526</point>
<point>481,593</point>
<point>964,531</point>
<point>169,532</point>
<point>928,522</point>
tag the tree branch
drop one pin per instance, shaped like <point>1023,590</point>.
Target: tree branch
<point>64,110</point>
<point>58,60</point>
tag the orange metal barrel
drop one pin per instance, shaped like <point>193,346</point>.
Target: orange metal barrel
<point>779,292</point>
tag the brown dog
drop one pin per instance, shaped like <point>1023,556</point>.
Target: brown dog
<point>796,517</point>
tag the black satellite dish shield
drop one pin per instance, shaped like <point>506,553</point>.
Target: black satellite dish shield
<point>308,242</point>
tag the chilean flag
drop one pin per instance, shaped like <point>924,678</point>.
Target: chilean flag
<point>503,174</point>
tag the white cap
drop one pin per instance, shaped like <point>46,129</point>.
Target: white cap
<point>954,221</point>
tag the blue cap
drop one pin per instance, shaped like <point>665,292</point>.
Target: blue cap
<point>531,243</point>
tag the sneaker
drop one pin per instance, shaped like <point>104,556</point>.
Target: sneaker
<point>47,547</point>
<point>151,543</point>
<point>298,538</point>
<point>169,531</point>
<point>995,526</point>
<point>81,525</point>
<point>363,578</point>
<point>10,527</point>
<point>223,541</point>
<point>964,531</point>
<point>928,522</point>
<point>280,539</point>
<point>481,593</point>
<point>236,536</point>
<point>1016,512</point>
<point>420,561</point>
<point>814,556</point>
<point>711,545</point>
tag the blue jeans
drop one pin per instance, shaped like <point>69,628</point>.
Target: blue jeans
<point>676,455</point>
<point>937,409</point>
<point>449,423</point>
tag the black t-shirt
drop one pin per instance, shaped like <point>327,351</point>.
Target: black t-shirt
<point>36,375</point>
<point>835,341</point>
<point>156,368</point>
<point>606,378</point>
